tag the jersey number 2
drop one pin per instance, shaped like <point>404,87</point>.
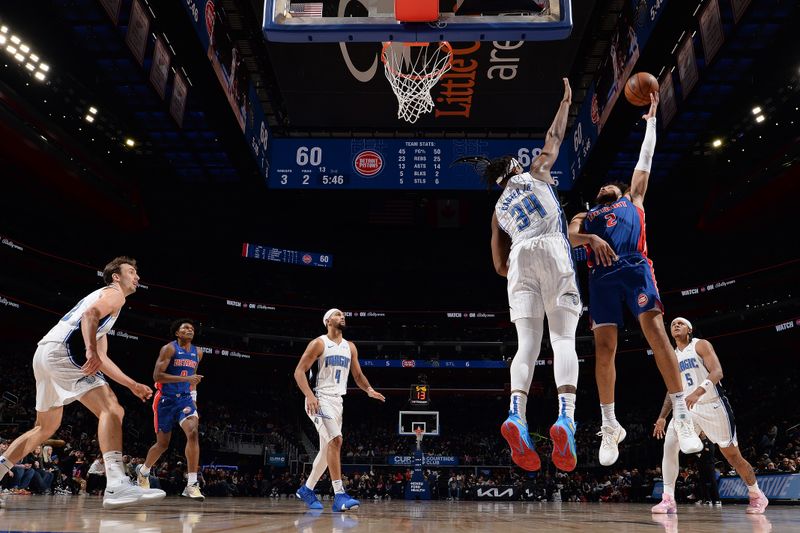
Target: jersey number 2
<point>532,205</point>
<point>338,376</point>
<point>611,220</point>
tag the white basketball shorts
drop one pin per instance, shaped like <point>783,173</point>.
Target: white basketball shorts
<point>328,420</point>
<point>59,380</point>
<point>541,277</point>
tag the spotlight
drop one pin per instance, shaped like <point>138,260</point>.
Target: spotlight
<point>760,118</point>
<point>19,57</point>
<point>756,110</point>
<point>44,67</point>
<point>25,48</point>
<point>11,49</point>
<point>93,110</point>
<point>33,57</point>
<point>717,143</point>
<point>89,119</point>
<point>30,66</point>
<point>130,143</point>
<point>15,39</point>
<point>4,29</point>
<point>39,76</point>
<point>2,39</point>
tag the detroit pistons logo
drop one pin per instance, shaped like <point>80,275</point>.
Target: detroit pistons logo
<point>307,259</point>
<point>209,16</point>
<point>368,163</point>
<point>642,300</point>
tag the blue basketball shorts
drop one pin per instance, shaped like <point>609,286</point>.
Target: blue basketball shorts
<point>630,281</point>
<point>170,410</point>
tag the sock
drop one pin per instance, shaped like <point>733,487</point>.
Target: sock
<point>669,463</point>
<point>519,400</point>
<point>191,478</point>
<point>338,488</point>
<point>566,405</point>
<point>679,409</point>
<point>145,470</point>
<point>5,466</point>
<point>115,469</point>
<point>609,418</point>
<point>753,489</point>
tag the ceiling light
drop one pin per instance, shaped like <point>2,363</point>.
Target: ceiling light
<point>130,142</point>
<point>39,76</point>
<point>93,110</point>
<point>45,67</point>
<point>15,39</point>
<point>2,39</point>
<point>760,118</point>
<point>19,57</point>
<point>30,66</point>
<point>89,118</point>
<point>25,48</point>
<point>11,49</point>
<point>4,29</point>
<point>756,110</point>
<point>717,143</point>
<point>34,58</point>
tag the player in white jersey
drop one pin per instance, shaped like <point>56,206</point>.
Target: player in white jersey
<point>530,247</point>
<point>335,358</point>
<point>71,363</point>
<point>711,413</point>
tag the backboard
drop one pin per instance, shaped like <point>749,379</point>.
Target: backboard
<point>375,21</point>
<point>408,421</point>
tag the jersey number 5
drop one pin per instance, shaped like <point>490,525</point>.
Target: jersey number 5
<point>531,205</point>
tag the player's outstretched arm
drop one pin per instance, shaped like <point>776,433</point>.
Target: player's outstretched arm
<point>501,247</point>
<point>312,353</point>
<point>641,174</point>
<point>541,166</point>
<point>359,377</point>
<point>706,352</point>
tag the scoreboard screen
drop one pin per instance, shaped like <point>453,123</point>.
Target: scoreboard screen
<point>398,164</point>
<point>419,395</point>
<point>282,255</point>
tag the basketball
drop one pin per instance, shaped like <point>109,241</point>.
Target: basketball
<point>639,87</point>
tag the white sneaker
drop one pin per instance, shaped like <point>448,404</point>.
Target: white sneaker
<point>142,480</point>
<point>687,438</point>
<point>193,491</point>
<point>609,446</point>
<point>129,494</point>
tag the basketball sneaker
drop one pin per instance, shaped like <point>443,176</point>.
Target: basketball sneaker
<point>193,491</point>
<point>563,434</point>
<point>142,481</point>
<point>687,437</point>
<point>523,452</point>
<point>667,506</point>
<point>308,496</point>
<point>758,504</point>
<point>609,444</point>
<point>343,502</point>
<point>129,494</point>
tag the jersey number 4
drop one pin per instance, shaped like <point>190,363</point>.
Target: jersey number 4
<point>338,376</point>
<point>527,206</point>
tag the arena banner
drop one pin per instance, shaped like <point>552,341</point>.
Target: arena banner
<point>177,102</point>
<point>214,31</point>
<point>783,487</point>
<point>666,91</point>
<point>497,493</point>
<point>739,7</point>
<point>159,70</point>
<point>427,460</point>
<point>138,31</point>
<point>634,26</point>
<point>112,7</point>
<point>711,33</point>
<point>687,66</point>
<point>277,459</point>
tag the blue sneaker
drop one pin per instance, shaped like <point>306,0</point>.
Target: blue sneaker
<point>523,452</point>
<point>563,434</point>
<point>343,502</point>
<point>308,496</point>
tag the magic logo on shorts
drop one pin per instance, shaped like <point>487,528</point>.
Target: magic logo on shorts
<point>642,300</point>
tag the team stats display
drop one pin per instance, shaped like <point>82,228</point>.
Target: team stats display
<point>398,164</point>
<point>282,255</point>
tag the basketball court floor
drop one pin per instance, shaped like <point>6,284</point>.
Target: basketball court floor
<point>85,513</point>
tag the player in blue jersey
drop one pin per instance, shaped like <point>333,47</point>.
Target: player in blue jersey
<point>623,276</point>
<point>176,379</point>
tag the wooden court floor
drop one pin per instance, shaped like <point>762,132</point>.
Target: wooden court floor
<point>85,513</point>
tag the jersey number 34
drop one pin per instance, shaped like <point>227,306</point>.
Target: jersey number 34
<point>522,210</point>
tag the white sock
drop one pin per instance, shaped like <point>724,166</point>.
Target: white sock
<point>191,478</point>
<point>519,401</point>
<point>669,463</point>
<point>338,488</point>
<point>145,470</point>
<point>320,464</point>
<point>609,418</point>
<point>753,489</point>
<point>115,469</point>
<point>566,405</point>
<point>679,409</point>
<point>5,466</point>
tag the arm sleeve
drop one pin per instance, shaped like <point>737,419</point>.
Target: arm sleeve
<point>648,146</point>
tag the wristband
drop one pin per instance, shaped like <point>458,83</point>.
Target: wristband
<point>707,385</point>
<point>194,395</point>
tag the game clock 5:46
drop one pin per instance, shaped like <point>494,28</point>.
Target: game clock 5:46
<point>419,395</point>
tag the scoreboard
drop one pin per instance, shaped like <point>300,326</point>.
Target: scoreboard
<point>419,395</point>
<point>399,164</point>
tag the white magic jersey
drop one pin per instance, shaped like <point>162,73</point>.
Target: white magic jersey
<point>694,372</point>
<point>528,208</point>
<point>70,324</point>
<point>333,368</point>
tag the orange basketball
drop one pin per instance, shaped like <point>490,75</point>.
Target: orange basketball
<point>639,87</point>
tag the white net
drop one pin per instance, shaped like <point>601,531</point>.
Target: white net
<point>412,70</point>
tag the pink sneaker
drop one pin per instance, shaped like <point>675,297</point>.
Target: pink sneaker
<point>758,504</point>
<point>667,506</point>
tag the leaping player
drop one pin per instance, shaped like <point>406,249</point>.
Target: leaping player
<point>176,379</point>
<point>530,247</point>
<point>624,273</point>
<point>335,356</point>
<point>711,412</point>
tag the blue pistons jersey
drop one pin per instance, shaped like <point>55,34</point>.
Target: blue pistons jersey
<point>183,363</point>
<point>620,224</point>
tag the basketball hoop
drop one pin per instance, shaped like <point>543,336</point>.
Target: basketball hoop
<point>419,432</point>
<point>412,70</point>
